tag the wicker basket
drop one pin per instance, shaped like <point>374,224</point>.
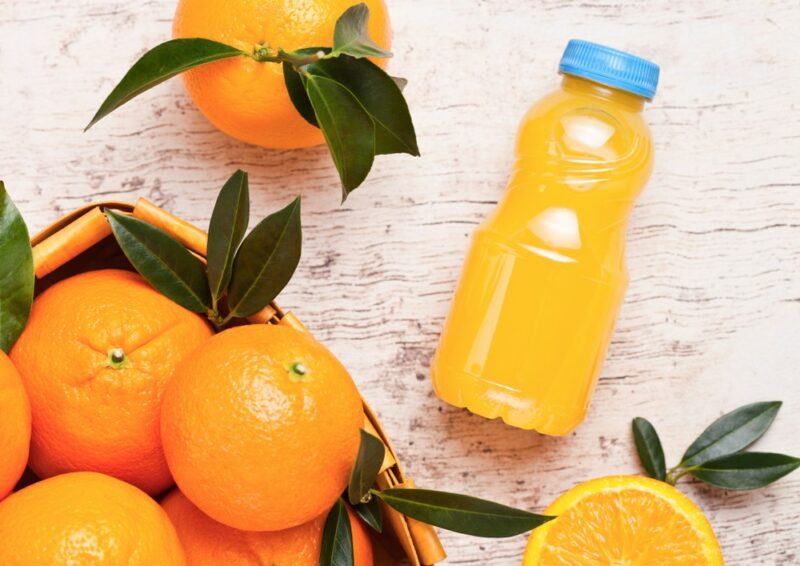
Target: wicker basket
<point>82,241</point>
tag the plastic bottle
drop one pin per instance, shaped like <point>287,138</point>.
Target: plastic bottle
<point>534,310</point>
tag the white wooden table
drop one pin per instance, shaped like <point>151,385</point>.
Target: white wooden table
<point>712,317</point>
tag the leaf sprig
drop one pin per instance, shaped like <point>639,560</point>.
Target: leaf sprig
<point>717,456</point>
<point>452,511</point>
<point>359,108</point>
<point>243,274</point>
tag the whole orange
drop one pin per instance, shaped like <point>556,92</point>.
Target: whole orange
<point>95,357</point>
<point>261,427</point>
<point>15,426</point>
<point>86,518</point>
<point>209,543</point>
<point>245,98</point>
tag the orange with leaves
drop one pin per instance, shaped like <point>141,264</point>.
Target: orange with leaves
<point>245,98</point>
<point>261,427</point>
<point>95,357</point>
<point>209,543</point>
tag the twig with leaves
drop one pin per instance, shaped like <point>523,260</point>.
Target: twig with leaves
<point>717,456</point>
<point>243,273</point>
<point>452,511</point>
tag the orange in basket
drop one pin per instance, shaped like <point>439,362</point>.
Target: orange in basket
<point>95,357</point>
<point>15,426</point>
<point>209,543</point>
<point>261,427</point>
<point>86,518</point>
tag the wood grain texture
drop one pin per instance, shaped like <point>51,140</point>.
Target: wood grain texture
<point>712,316</point>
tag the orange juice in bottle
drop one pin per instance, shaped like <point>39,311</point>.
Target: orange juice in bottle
<point>534,310</point>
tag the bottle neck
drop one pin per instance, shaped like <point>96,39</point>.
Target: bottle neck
<point>583,86</point>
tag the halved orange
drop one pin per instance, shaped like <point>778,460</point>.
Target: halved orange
<point>621,521</point>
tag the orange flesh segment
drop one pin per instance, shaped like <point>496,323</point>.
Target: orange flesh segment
<point>624,521</point>
<point>642,529</point>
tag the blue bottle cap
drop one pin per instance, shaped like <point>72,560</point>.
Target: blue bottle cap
<point>610,67</point>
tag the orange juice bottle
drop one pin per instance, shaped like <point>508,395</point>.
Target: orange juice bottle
<point>534,310</point>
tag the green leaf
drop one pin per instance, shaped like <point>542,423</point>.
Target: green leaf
<point>746,470</point>
<point>161,63</point>
<point>731,432</point>
<point>350,35</point>
<point>648,445</point>
<point>370,513</point>
<point>461,513</point>
<point>16,272</point>
<point>380,96</point>
<point>226,230</point>
<point>295,87</point>
<point>162,261</point>
<point>297,94</point>
<point>337,538</point>
<point>265,261</point>
<point>368,464</point>
<point>348,129</point>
